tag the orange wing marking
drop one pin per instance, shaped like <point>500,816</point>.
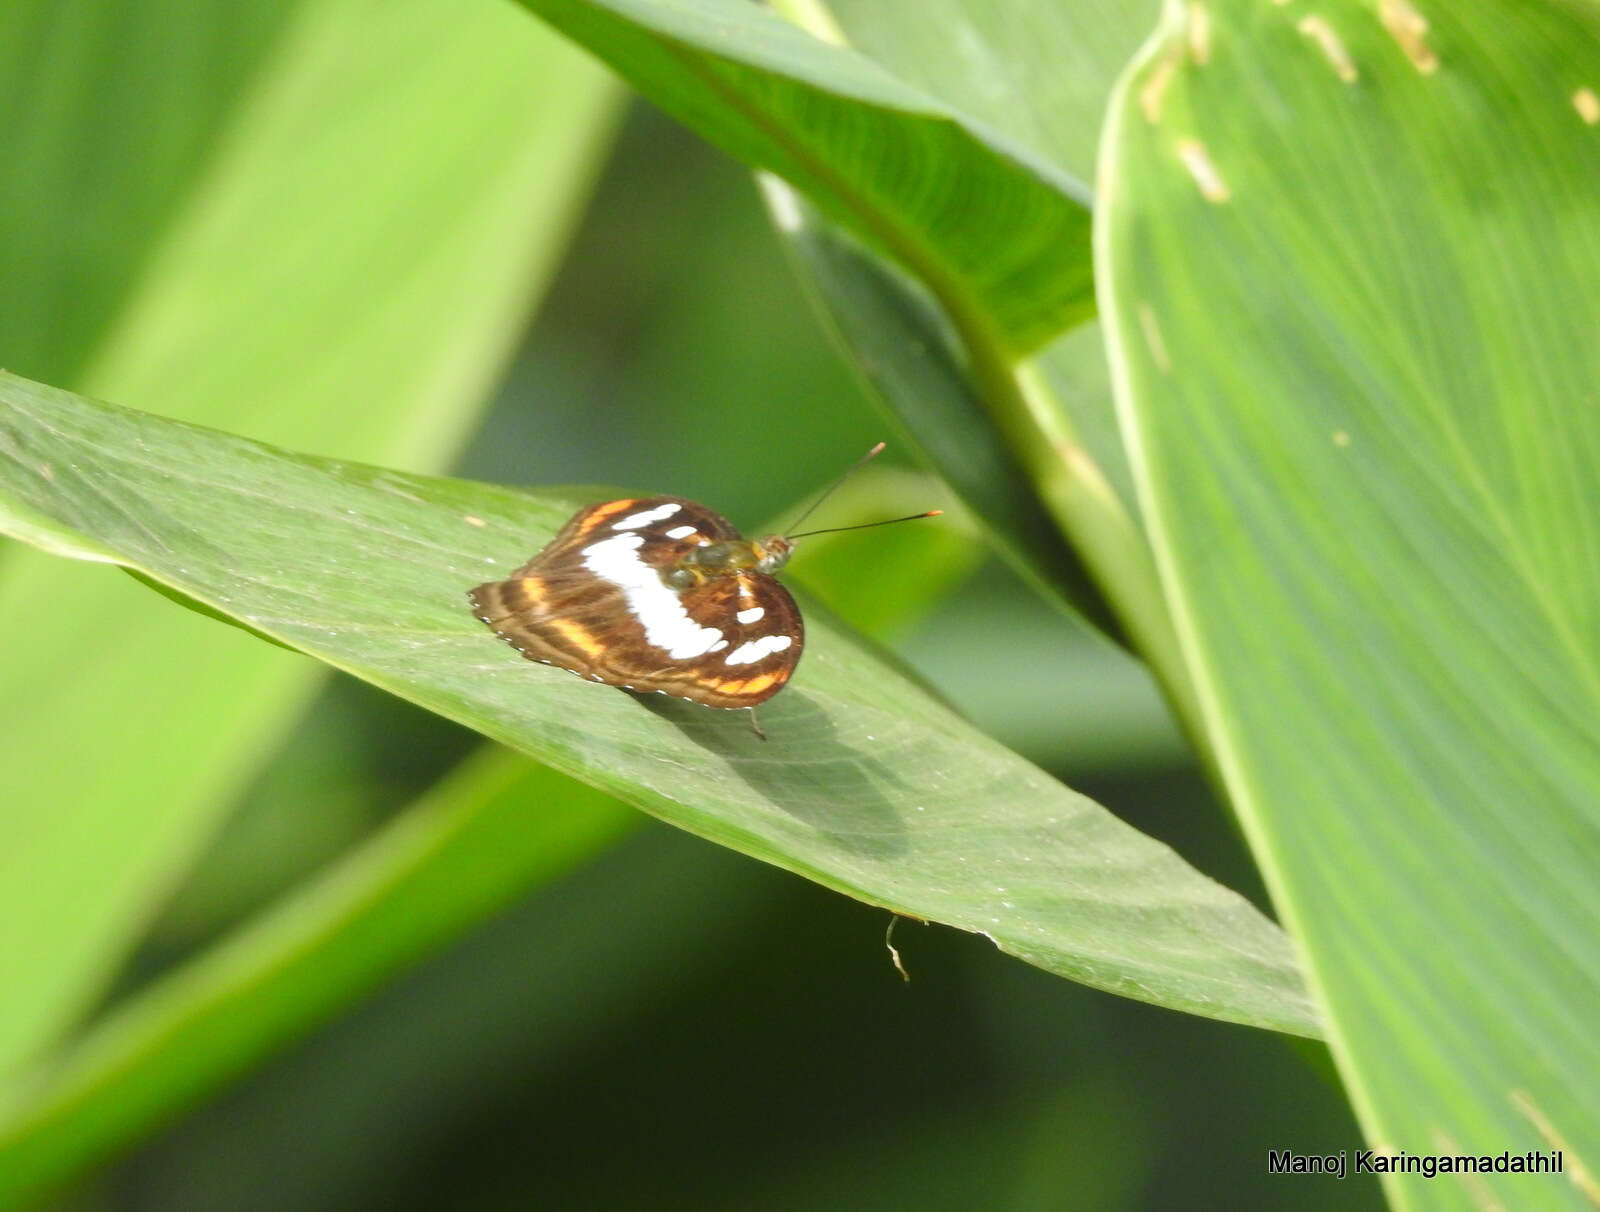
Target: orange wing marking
<point>601,512</point>
<point>745,686</point>
<point>757,684</point>
<point>579,636</point>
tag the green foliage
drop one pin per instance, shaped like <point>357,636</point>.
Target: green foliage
<point>866,783</point>
<point>1324,465</point>
<point>959,205</point>
<point>218,250</point>
<point>458,855</point>
<point>1356,365</point>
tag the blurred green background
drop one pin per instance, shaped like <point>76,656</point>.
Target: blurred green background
<point>675,1025</point>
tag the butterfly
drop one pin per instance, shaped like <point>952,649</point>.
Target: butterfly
<point>660,594</point>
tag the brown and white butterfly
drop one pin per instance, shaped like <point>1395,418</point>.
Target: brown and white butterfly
<point>657,594</point>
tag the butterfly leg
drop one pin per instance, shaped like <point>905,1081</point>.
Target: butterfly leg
<point>755,723</point>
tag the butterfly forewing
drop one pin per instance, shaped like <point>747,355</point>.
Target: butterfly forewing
<point>594,602</point>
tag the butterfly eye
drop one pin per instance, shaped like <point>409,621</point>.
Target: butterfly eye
<point>680,578</point>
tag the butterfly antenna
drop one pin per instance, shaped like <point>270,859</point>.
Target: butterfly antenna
<point>828,491</point>
<point>910,517</point>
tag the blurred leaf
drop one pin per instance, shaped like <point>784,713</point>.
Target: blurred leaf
<point>676,347</point>
<point>866,784</point>
<point>1349,264</point>
<point>896,337</point>
<point>947,196</point>
<point>85,200</point>
<point>349,282</point>
<point>885,580</point>
<point>576,977</point>
<point>1040,71</point>
<point>495,828</point>
<point>1029,445</point>
<point>351,763</point>
<point>1064,700</point>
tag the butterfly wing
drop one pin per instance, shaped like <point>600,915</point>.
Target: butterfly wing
<point>593,602</point>
<point>761,639</point>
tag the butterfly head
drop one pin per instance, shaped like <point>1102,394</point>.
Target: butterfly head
<point>772,552</point>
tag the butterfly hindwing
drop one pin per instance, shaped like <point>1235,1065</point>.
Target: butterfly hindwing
<point>548,618</point>
<point>762,637</point>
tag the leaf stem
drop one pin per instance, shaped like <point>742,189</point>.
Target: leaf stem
<point>1097,523</point>
<point>1067,480</point>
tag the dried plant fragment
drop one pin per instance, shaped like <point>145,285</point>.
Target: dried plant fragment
<point>1154,90</point>
<point>1154,341</point>
<point>1587,105</point>
<point>1199,34</point>
<point>1409,28</point>
<point>1332,48</point>
<point>1198,161</point>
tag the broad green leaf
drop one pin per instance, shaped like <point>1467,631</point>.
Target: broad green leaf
<point>998,433</point>
<point>1038,70</point>
<point>867,784</point>
<point>1000,233</point>
<point>85,200</point>
<point>496,827</point>
<point>1348,263</point>
<point>360,202</point>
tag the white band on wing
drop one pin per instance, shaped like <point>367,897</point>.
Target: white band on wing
<point>660,611</point>
<point>752,651</point>
<point>645,516</point>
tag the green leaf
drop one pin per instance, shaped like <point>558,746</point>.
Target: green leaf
<point>1038,70</point>
<point>1041,73</point>
<point>223,251</point>
<point>945,195</point>
<point>496,827</point>
<point>909,358</point>
<point>885,580</point>
<point>867,783</point>
<point>1030,446</point>
<point>1348,263</point>
<point>86,200</point>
